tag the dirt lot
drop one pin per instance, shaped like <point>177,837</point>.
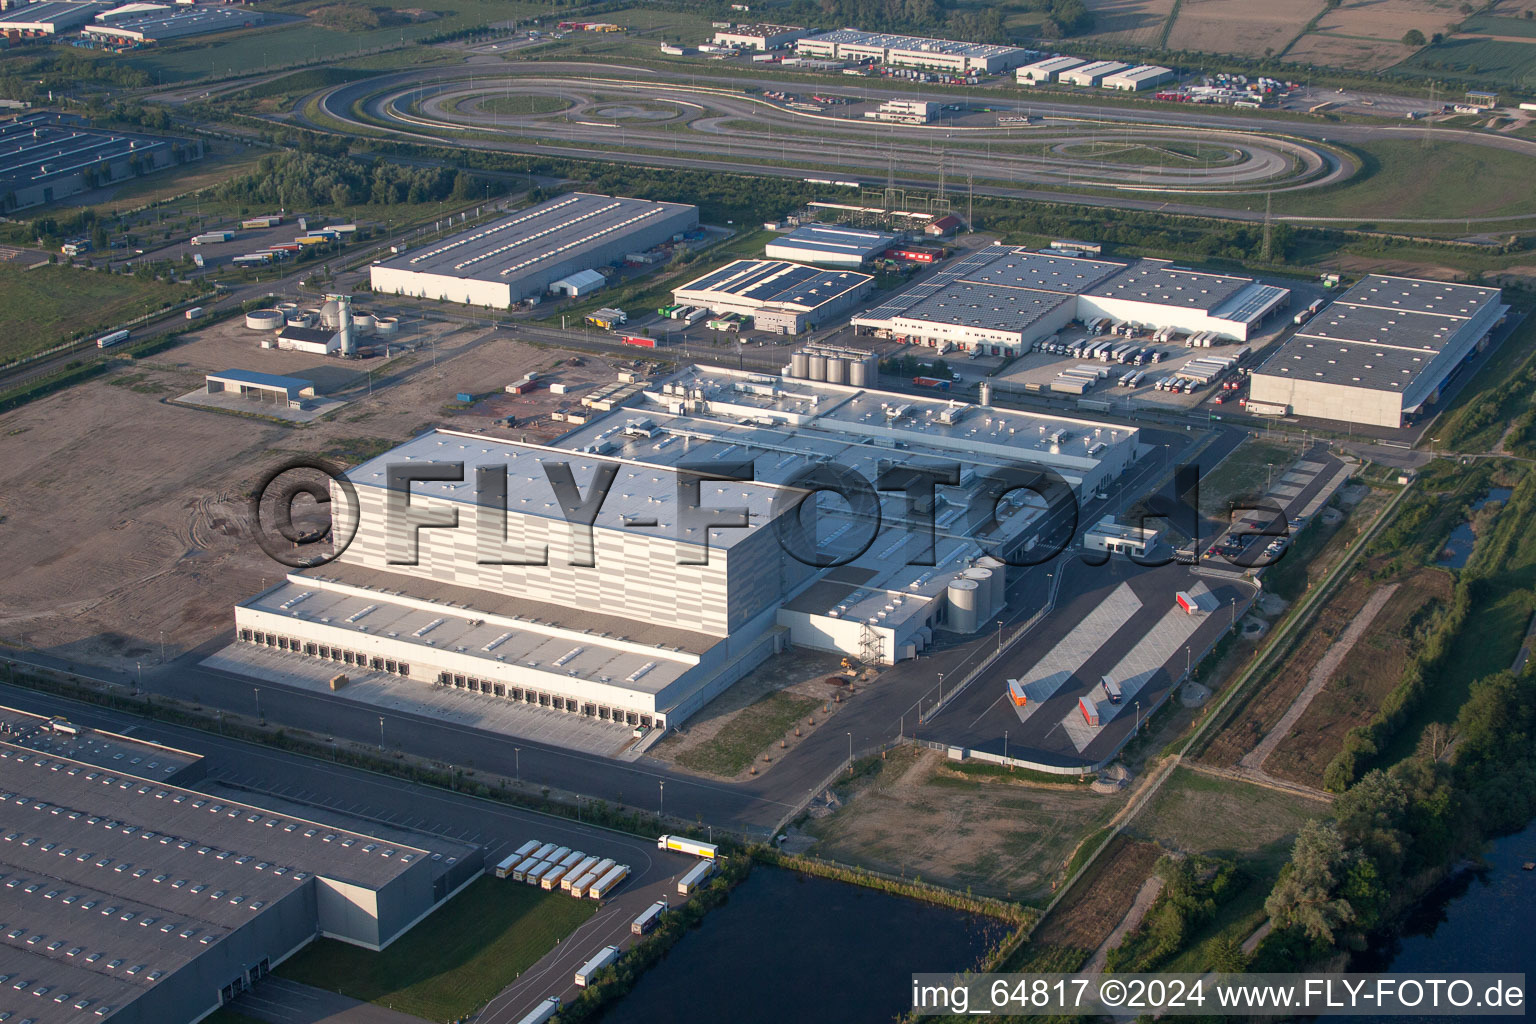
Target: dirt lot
<point>997,837</point>
<point>124,514</point>
<point>1366,675</point>
<point>1096,904</point>
<point>1134,22</point>
<point>749,719</point>
<point>1250,27</point>
<point>1200,814</point>
<point>1268,701</point>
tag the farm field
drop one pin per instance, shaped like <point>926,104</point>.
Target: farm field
<point>40,308</point>
<point>1499,27</point>
<point>1366,35</point>
<point>456,960</point>
<point>1476,60</point>
<point>1129,22</point>
<point>1248,27</point>
<point>993,835</point>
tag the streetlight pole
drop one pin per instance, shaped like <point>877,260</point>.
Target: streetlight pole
<point>1005,746</point>
<point>999,636</point>
<point>1138,719</point>
<point>661,789</point>
<point>257,691</point>
<point>941,689</point>
<point>850,755</point>
<point>517,764</point>
<point>381,732</point>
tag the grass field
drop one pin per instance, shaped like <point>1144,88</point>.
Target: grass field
<point>748,734</point>
<point>1493,25</point>
<point>1477,60</point>
<point>1245,472</point>
<point>452,963</point>
<point>1467,426</point>
<point>282,45</point>
<point>40,308</point>
<point>1406,178</point>
<point>999,836</point>
<point>529,104</point>
<point>1197,813</point>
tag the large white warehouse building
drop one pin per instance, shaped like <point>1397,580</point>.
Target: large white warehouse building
<point>1379,353</point>
<point>1002,299</point>
<point>681,583</point>
<point>780,297</point>
<point>519,256</point>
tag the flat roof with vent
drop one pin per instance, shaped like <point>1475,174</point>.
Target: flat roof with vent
<point>1160,282</point>
<point>1384,333</point>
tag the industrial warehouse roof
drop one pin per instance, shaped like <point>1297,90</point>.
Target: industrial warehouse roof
<point>54,13</point>
<point>427,618</point>
<point>183,21</point>
<point>1383,333</point>
<point>113,882</point>
<point>37,147</point>
<point>556,230</point>
<point>293,386</point>
<point>910,44</point>
<point>778,284</point>
<point>643,499</point>
<point>810,240</point>
<point>1001,288</point>
<point>1050,66</point>
<point>1139,73</point>
<point>1160,282</point>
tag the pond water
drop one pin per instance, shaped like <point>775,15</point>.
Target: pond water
<point>1458,548</point>
<point>786,947</point>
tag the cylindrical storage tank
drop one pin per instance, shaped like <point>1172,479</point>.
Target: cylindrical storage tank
<point>297,319</point>
<point>818,367</point>
<point>999,569</point>
<point>330,314</point>
<point>984,393</point>
<point>858,373</point>
<point>985,599</point>
<point>362,323</point>
<point>800,365</point>
<point>962,605</point>
<point>287,307</point>
<point>837,370</point>
<point>264,319</point>
<point>386,325</point>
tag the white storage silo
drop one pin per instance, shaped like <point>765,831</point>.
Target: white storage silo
<point>387,326</point>
<point>999,569</point>
<point>818,367</point>
<point>800,365</point>
<point>837,370</point>
<point>962,596</point>
<point>264,319</point>
<point>858,373</point>
<point>984,393</point>
<point>986,600</point>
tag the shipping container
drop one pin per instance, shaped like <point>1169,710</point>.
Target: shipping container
<point>931,382</point>
<point>681,844</point>
<point>543,852</point>
<point>537,874</point>
<point>550,880</point>
<point>1112,690</point>
<point>527,848</point>
<point>115,338</point>
<point>637,341</point>
<point>646,921</point>
<point>194,312</point>
<point>695,877</point>
<point>1016,693</point>
<point>584,974</point>
<point>211,237</point>
<point>573,858</point>
<point>581,870</point>
<point>605,885</point>
<point>520,873</point>
<point>1090,710</point>
<point>543,1012</point>
<point>695,315</point>
<point>1186,602</point>
<point>505,867</point>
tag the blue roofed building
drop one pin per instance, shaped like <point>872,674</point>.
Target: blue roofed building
<point>829,245</point>
<point>779,296</point>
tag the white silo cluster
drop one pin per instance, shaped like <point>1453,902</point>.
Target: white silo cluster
<point>977,594</point>
<point>834,364</point>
